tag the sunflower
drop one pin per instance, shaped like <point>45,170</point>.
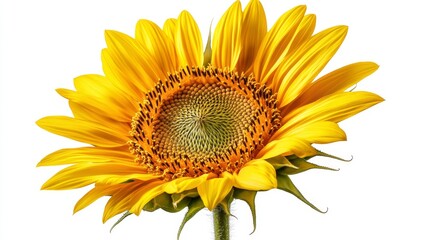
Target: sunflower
<point>171,126</point>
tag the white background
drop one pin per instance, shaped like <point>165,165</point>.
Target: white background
<point>381,194</point>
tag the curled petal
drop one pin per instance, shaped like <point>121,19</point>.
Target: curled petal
<point>256,175</point>
<point>184,183</point>
<point>213,191</point>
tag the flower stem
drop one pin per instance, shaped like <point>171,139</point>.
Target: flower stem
<point>221,224</point>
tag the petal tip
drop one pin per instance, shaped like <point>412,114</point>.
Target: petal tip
<point>45,186</point>
<point>41,122</point>
<point>40,164</point>
<point>302,7</point>
<point>343,29</point>
<point>375,65</point>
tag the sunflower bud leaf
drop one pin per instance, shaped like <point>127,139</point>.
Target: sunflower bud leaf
<point>280,161</point>
<point>126,214</point>
<point>249,198</point>
<point>302,166</point>
<point>285,183</point>
<point>226,203</point>
<point>165,202</point>
<point>194,207</point>
<point>178,197</point>
<point>208,50</point>
<point>320,153</point>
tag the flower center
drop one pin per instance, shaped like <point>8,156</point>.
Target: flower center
<point>202,120</point>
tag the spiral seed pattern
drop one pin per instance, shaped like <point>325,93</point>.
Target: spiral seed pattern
<point>202,120</point>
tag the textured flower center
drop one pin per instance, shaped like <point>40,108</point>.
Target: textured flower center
<point>202,121</point>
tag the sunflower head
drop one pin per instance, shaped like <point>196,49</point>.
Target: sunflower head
<point>170,126</point>
<point>202,121</point>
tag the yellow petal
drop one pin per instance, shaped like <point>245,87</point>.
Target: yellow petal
<point>121,200</point>
<point>87,155</point>
<point>304,31</point>
<point>253,32</point>
<point>94,194</point>
<point>227,38</point>
<point>82,174</point>
<point>145,194</point>
<point>303,34</point>
<point>317,132</point>
<point>170,28</point>
<point>256,175</point>
<point>184,183</point>
<point>336,81</point>
<point>286,146</point>
<point>213,191</point>
<point>101,108</point>
<point>100,88</point>
<point>334,108</point>
<point>83,131</point>
<point>300,69</point>
<point>189,44</point>
<point>113,70</point>
<point>276,43</point>
<point>128,66</point>
<point>155,42</point>
<point>88,113</point>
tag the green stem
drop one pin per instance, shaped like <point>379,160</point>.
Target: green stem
<point>221,223</point>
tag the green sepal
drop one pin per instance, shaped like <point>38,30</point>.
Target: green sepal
<point>194,207</point>
<point>151,206</point>
<point>294,157</point>
<point>302,165</point>
<point>208,50</point>
<point>320,153</point>
<point>126,214</point>
<point>279,162</point>
<point>285,183</point>
<point>226,203</point>
<point>249,198</point>
<point>177,198</point>
<point>165,202</point>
